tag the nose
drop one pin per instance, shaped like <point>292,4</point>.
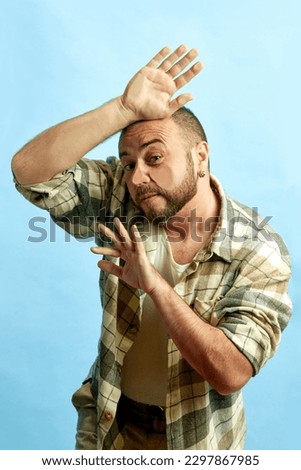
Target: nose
<point>140,175</point>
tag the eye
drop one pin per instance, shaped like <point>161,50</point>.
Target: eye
<point>155,159</point>
<point>128,167</point>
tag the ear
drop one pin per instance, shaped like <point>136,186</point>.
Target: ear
<point>202,151</point>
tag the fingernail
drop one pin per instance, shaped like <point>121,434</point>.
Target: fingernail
<point>166,50</point>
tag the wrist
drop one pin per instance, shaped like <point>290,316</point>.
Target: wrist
<point>126,114</point>
<point>160,288</point>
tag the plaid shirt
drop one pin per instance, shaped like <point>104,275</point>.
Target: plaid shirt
<point>239,284</point>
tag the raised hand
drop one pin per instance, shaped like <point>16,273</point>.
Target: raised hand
<point>149,94</point>
<point>137,271</point>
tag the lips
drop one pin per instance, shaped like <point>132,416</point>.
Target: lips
<point>143,197</point>
<point>148,196</point>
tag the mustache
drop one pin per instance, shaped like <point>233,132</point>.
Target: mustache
<point>143,191</point>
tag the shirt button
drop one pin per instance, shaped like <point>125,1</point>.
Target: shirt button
<point>133,328</point>
<point>108,415</point>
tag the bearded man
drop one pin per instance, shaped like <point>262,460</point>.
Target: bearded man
<point>193,284</point>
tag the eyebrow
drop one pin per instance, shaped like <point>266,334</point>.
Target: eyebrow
<point>143,146</point>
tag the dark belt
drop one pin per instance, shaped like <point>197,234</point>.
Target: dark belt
<point>149,417</point>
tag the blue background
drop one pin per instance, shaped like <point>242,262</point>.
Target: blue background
<point>60,58</point>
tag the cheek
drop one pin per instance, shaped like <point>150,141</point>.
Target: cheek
<point>166,177</point>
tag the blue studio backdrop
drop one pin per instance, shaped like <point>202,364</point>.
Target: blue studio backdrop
<point>60,58</point>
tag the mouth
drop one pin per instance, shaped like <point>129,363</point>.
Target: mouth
<point>146,197</point>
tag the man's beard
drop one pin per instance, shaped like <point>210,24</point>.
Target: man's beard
<point>175,199</point>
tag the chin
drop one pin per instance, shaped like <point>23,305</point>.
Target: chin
<point>159,217</point>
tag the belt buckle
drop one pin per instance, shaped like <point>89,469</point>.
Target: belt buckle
<point>155,410</point>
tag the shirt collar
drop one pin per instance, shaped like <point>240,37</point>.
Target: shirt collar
<point>221,244</point>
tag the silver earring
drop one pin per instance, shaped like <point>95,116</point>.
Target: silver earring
<point>202,174</point>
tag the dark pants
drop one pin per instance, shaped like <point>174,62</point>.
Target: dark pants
<point>141,426</point>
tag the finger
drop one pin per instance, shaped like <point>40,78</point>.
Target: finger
<point>135,234</point>
<point>110,267</point>
<point>184,62</point>
<point>157,59</point>
<point>188,75</point>
<point>105,250</point>
<point>139,246</point>
<point>108,233</point>
<point>179,102</point>
<point>121,231</point>
<point>172,58</point>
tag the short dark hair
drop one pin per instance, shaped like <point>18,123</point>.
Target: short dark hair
<point>191,128</point>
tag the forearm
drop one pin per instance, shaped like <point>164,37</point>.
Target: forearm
<point>147,96</point>
<point>61,146</point>
<point>205,347</point>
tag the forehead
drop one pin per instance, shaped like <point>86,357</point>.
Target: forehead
<point>164,131</point>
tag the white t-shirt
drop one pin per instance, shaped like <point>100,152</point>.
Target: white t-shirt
<point>144,373</point>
